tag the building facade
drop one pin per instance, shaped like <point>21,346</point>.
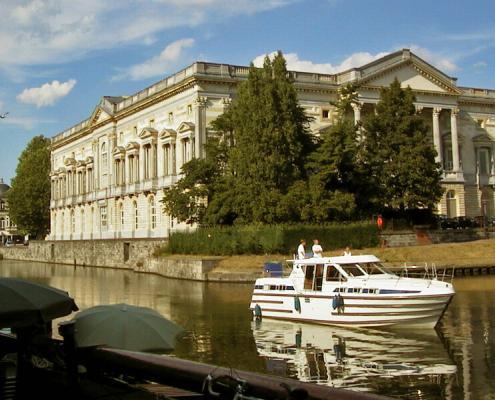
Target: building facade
<point>8,229</point>
<point>109,171</point>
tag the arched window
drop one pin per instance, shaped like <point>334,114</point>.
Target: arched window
<point>136,215</point>
<point>451,204</point>
<point>152,212</point>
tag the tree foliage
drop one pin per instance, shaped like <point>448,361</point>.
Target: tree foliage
<point>398,155</point>
<point>29,196</point>
<point>259,150</point>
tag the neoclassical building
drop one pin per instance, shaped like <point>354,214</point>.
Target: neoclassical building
<point>7,228</point>
<point>109,171</point>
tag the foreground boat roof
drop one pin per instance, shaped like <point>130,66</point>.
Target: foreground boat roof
<point>337,260</point>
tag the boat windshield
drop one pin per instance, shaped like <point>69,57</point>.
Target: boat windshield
<point>374,268</point>
<point>353,270</point>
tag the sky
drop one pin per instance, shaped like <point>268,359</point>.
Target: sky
<point>59,57</point>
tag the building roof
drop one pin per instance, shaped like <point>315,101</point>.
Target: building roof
<point>3,188</point>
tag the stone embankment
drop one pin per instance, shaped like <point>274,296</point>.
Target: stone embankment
<point>136,254</point>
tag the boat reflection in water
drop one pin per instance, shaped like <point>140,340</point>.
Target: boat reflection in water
<point>361,359</point>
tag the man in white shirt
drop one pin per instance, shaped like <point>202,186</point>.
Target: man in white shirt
<point>317,249</point>
<point>301,251</point>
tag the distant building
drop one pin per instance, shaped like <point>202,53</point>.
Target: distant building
<point>8,230</point>
<point>109,171</point>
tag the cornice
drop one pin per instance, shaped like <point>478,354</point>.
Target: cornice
<point>140,105</point>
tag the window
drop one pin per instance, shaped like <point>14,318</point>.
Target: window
<point>121,216</point>
<point>72,222</point>
<point>353,270</point>
<point>103,217</point>
<point>136,215</point>
<point>325,114</point>
<point>332,273</point>
<point>170,117</point>
<point>152,212</point>
<point>484,161</point>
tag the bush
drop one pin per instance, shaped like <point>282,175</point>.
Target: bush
<point>270,239</point>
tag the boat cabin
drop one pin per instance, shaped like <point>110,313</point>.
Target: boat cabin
<point>320,272</point>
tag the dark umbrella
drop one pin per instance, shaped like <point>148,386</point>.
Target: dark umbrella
<point>24,303</point>
<point>124,326</point>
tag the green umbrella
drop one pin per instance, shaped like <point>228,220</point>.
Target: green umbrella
<point>24,303</point>
<point>126,327</point>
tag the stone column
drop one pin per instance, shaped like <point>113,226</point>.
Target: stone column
<point>357,112</point>
<point>96,171</point>
<point>160,159</point>
<point>199,126</point>
<point>455,141</point>
<point>436,134</point>
<point>141,163</point>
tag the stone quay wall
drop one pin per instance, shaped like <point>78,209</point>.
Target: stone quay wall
<point>135,254</point>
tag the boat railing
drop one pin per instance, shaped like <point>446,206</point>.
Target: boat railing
<point>427,271</point>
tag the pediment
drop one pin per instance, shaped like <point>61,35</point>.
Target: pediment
<point>185,127</point>
<point>132,146</point>
<point>410,70</point>
<point>483,138</point>
<point>412,76</point>
<point>69,161</point>
<point>118,150</point>
<point>98,115</point>
<point>168,133</point>
<point>148,132</point>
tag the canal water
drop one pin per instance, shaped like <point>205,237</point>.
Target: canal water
<point>457,361</point>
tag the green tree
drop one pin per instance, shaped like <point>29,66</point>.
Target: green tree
<point>398,155</point>
<point>29,196</point>
<point>334,178</point>
<point>259,150</point>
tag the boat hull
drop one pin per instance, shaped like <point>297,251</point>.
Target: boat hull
<point>359,311</point>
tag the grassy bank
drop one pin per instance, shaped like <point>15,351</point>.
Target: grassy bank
<point>479,253</point>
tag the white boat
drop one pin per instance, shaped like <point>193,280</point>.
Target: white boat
<point>350,291</point>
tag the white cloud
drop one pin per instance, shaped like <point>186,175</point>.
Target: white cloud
<point>480,64</point>
<point>167,60</point>
<point>38,32</point>
<point>439,60</point>
<point>47,94</point>
<point>358,59</point>
<point>295,64</point>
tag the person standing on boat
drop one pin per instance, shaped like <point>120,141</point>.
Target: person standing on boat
<point>317,249</point>
<point>347,251</point>
<point>301,251</point>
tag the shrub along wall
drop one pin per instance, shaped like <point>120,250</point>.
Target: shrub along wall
<point>271,239</point>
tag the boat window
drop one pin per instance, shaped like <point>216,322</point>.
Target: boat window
<point>273,287</point>
<point>318,277</point>
<point>289,288</point>
<point>374,268</point>
<point>309,276</point>
<point>340,290</point>
<point>353,290</point>
<point>353,270</point>
<point>333,273</point>
<point>258,286</point>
